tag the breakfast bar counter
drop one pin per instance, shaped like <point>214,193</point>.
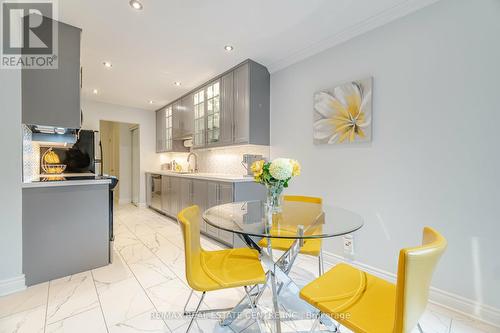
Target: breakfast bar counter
<point>65,227</point>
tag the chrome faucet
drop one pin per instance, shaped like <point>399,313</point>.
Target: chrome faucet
<point>195,161</point>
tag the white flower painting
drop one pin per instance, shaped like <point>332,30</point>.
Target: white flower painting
<point>343,115</point>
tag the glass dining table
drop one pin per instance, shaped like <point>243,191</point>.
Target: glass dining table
<point>297,222</point>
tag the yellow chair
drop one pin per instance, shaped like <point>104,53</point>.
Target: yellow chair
<point>215,270</point>
<point>367,304</point>
<point>311,247</point>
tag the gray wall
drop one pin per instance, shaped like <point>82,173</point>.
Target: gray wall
<point>10,191</point>
<point>434,159</point>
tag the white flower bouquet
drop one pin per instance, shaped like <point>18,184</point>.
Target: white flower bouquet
<point>275,175</point>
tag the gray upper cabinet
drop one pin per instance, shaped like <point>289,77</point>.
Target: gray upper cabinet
<point>167,124</point>
<point>213,112</point>
<point>186,117</point>
<point>232,108</point>
<point>251,104</point>
<point>176,119</point>
<point>51,97</point>
<point>227,107</point>
<point>199,121</point>
<point>241,105</point>
<point>160,131</point>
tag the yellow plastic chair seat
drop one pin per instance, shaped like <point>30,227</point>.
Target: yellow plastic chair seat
<point>214,270</point>
<point>230,268</point>
<point>360,301</point>
<point>311,247</point>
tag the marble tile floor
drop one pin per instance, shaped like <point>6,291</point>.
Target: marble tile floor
<point>147,278</point>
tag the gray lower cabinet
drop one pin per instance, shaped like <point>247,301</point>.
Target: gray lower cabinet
<point>65,230</point>
<point>180,192</point>
<point>51,97</point>
<point>165,194</point>
<point>186,193</point>
<point>200,198</point>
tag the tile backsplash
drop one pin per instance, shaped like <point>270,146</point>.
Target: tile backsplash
<point>31,156</point>
<point>224,160</point>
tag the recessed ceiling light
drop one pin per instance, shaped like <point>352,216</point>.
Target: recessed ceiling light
<point>135,4</point>
<point>177,83</point>
<point>228,48</point>
<point>151,102</point>
<point>107,64</point>
<point>95,91</point>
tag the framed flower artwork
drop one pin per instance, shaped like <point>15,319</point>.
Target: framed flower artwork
<point>343,115</point>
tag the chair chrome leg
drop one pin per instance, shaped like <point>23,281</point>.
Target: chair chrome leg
<point>315,324</point>
<point>195,313</point>
<point>253,308</point>
<point>321,263</point>
<point>187,302</point>
<point>318,321</point>
<point>420,328</point>
<point>190,313</point>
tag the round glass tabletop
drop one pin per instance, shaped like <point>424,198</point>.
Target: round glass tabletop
<point>297,220</point>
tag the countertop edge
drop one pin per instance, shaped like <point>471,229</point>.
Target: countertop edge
<point>215,177</point>
<point>67,183</point>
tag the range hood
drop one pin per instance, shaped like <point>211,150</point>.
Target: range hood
<point>53,134</point>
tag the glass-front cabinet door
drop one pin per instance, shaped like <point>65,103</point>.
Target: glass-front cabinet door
<point>199,118</point>
<point>168,128</point>
<point>213,112</point>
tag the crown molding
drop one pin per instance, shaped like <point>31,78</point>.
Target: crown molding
<point>371,23</point>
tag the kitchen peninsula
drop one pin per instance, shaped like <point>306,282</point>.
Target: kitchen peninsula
<point>65,226</point>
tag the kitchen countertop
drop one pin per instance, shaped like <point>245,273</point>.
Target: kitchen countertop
<point>53,181</point>
<point>206,176</point>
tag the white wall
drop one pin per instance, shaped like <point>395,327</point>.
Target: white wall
<point>434,159</point>
<point>93,112</point>
<point>11,277</point>
<point>125,163</point>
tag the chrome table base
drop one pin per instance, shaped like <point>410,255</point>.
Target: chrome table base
<point>285,291</point>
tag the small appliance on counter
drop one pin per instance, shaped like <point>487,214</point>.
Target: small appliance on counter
<point>84,156</point>
<point>50,163</point>
<point>247,161</point>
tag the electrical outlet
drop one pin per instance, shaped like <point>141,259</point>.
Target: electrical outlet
<point>348,244</point>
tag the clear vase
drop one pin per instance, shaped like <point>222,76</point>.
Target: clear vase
<point>274,199</point>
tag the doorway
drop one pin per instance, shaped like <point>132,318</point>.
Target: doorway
<point>135,165</point>
<point>120,158</point>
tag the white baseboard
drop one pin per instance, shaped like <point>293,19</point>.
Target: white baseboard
<point>450,301</point>
<point>12,285</point>
<point>141,205</point>
<point>122,201</point>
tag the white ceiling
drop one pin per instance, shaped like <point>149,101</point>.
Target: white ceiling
<point>183,40</point>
